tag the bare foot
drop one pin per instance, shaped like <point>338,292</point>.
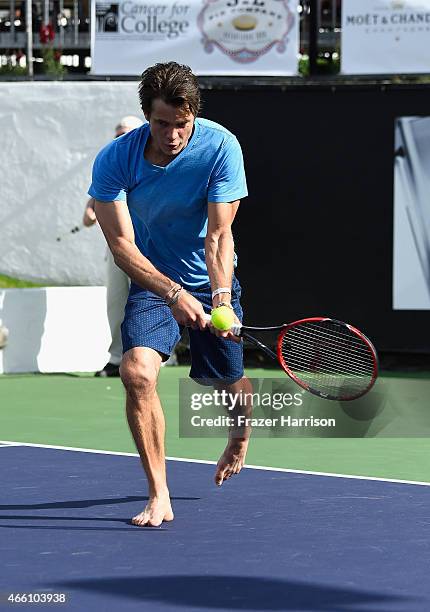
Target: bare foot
<point>158,509</point>
<point>232,460</point>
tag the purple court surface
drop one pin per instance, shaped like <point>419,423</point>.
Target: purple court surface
<point>266,540</point>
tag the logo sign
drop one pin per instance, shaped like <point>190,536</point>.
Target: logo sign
<point>245,29</point>
<point>385,36</point>
<point>145,21</point>
<point>106,17</point>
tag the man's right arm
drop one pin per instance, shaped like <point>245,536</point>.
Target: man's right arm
<point>114,219</point>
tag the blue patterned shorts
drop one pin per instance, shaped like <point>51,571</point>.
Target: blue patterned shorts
<point>148,322</point>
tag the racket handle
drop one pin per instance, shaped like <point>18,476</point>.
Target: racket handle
<point>235,329</point>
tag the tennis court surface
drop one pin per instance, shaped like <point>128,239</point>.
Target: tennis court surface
<point>269,539</point>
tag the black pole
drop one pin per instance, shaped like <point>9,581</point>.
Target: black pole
<point>313,36</point>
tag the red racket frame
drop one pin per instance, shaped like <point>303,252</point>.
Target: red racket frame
<point>302,384</point>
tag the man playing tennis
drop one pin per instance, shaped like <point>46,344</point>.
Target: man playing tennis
<point>166,196</point>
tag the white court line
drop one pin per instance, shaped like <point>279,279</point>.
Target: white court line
<point>68,448</point>
<point>4,444</point>
<point>250,467</point>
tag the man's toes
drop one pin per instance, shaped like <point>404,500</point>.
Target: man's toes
<point>140,519</point>
<point>219,477</point>
<point>222,476</point>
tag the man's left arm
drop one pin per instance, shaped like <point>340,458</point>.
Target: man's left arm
<point>219,248</point>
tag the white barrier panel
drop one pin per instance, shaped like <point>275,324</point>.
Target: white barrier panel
<point>411,248</point>
<point>50,135</point>
<point>54,329</point>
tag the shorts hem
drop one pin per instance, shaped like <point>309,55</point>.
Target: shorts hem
<point>207,381</point>
<point>164,356</point>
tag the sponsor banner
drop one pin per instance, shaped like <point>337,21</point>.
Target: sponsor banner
<point>385,36</point>
<point>214,37</point>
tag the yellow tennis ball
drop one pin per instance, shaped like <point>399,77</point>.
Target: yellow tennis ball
<point>222,318</point>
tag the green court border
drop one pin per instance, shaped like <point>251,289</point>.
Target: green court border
<point>87,412</point>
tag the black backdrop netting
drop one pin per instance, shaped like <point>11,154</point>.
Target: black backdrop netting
<point>315,235</point>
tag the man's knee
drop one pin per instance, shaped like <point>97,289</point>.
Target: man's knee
<point>139,371</point>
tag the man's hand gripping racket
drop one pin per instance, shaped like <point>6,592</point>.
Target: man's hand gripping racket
<point>328,358</point>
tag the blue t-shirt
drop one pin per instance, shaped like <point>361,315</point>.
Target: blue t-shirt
<point>169,205</point>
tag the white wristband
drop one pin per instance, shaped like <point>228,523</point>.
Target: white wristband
<point>221,290</point>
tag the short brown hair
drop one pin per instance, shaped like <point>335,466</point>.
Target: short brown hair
<point>174,83</point>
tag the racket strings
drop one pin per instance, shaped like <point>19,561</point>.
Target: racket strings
<point>328,358</point>
<point>345,341</point>
<point>337,357</point>
<point>336,384</point>
<point>344,333</point>
<point>330,377</point>
<point>341,348</point>
<point>306,350</point>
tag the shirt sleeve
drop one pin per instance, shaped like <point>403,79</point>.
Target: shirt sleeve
<point>109,181</point>
<point>228,180</point>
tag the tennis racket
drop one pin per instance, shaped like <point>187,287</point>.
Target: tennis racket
<point>328,358</point>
